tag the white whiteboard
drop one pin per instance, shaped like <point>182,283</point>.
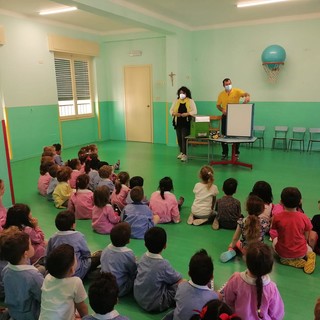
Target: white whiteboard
<point>239,120</point>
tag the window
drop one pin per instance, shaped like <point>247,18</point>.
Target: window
<point>74,86</point>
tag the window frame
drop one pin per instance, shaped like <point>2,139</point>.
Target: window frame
<point>72,58</point>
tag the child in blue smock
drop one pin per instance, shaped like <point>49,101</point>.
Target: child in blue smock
<point>119,259</point>
<point>138,215</point>
<point>65,223</point>
<point>22,281</point>
<point>156,283</point>
<point>103,296</point>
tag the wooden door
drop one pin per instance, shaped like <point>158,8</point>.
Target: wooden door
<point>138,103</point>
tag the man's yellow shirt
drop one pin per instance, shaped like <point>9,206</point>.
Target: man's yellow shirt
<point>233,97</point>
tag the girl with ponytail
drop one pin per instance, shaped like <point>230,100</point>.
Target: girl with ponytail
<point>164,203</point>
<point>251,294</point>
<point>249,230</point>
<point>121,190</point>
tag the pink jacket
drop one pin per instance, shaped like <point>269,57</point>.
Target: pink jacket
<point>74,175</point>
<point>104,219</point>
<point>81,203</point>
<point>167,208</point>
<point>120,198</point>
<point>37,240</point>
<point>43,184</point>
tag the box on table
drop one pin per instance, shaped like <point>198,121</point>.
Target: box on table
<point>200,126</point>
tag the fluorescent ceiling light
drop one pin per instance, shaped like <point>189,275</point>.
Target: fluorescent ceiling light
<point>60,10</point>
<point>257,3</point>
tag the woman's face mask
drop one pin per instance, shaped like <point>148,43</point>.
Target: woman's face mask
<point>182,96</point>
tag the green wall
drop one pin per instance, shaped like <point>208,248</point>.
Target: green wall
<point>4,170</point>
<point>32,128</point>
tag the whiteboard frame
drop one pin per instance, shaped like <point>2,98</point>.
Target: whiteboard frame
<point>240,120</point>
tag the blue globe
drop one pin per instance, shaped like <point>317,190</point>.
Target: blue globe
<point>273,53</point>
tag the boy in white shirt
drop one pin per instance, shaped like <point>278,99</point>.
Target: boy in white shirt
<point>62,293</point>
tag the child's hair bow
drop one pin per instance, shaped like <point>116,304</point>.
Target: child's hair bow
<point>225,316</point>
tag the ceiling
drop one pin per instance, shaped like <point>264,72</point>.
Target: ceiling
<point>186,14</point>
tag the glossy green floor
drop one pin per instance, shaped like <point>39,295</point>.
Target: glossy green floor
<point>280,169</point>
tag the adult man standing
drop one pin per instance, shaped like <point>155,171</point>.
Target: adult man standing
<point>229,95</point>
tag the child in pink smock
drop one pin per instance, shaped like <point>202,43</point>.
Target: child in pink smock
<point>104,218</point>
<point>81,202</point>
<point>75,165</point>
<point>19,215</point>
<point>164,203</point>
<point>251,294</point>
<point>44,179</point>
<point>121,190</point>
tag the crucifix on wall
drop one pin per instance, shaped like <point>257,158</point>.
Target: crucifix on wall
<point>171,75</point>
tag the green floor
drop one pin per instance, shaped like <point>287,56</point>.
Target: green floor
<point>281,169</point>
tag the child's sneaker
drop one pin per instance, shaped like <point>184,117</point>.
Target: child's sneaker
<point>215,225</point>
<point>180,155</point>
<point>190,219</point>
<point>296,263</point>
<point>228,255</point>
<point>199,222</point>
<point>310,263</point>
<point>116,166</point>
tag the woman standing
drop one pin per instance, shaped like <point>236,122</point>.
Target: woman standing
<point>182,109</point>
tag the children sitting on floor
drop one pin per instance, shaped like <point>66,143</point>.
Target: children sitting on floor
<point>119,259</point>
<point>65,222</point>
<point>57,157</point>
<point>81,202</point>
<point>103,296</point>
<point>228,208</point>
<point>138,215</point>
<point>249,230</point>
<point>104,218</point>
<point>20,215</point>
<point>121,190</point>
<point>22,281</point>
<point>263,190</point>
<point>44,179</point>
<point>75,165</point>
<point>156,283</point>
<point>293,228</point>
<point>164,203</point>
<point>62,192</point>
<point>205,193</point>
<point>105,173</point>
<point>62,293</point>
<point>136,181</point>
<point>91,169</point>
<point>53,181</point>
<point>251,294</point>
<point>193,294</point>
